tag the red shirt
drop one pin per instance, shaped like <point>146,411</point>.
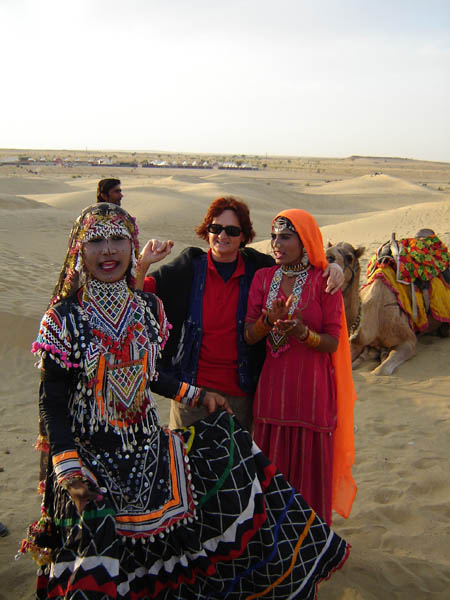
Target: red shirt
<point>217,365</point>
<point>149,285</point>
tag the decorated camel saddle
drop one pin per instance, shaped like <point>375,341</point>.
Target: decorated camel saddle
<point>417,270</point>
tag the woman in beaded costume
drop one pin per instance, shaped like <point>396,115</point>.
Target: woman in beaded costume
<point>303,407</point>
<point>132,510</point>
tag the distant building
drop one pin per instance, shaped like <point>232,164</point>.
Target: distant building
<point>9,160</point>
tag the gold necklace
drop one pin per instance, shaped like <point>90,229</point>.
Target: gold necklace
<point>292,270</point>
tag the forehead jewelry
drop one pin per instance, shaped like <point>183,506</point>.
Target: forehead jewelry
<point>106,229</point>
<point>281,224</point>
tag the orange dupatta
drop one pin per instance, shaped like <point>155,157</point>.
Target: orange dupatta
<point>344,487</point>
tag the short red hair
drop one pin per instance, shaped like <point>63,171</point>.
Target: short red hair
<point>228,203</point>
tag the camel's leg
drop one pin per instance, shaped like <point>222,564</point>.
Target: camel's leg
<point>397,356</point>
<point>384,353</point>
<point>375,353</point>
<point>355,349</point>
<point>367,353</point>
<point>358,361</point>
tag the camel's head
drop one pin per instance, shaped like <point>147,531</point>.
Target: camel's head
<point>347,257</point>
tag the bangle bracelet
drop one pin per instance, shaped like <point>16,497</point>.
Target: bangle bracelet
<point>200,398</point>
<point>313,339</point>
<point>305,335</point>
<point>267,322</point>
<point>261,329</point>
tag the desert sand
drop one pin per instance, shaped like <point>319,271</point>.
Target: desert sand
<point>399,526</point>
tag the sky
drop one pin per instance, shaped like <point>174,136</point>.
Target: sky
<point>287,77</point>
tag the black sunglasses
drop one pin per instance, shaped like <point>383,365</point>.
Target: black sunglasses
<point>231,230</point>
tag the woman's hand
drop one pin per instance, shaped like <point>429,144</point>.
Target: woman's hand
<point>254,332</point>
<point>81,494</point>
<point>154,251</point>
<point>279,310</point>
<point>294,326</point>
<point>335,278</point>
<point>213,401</point>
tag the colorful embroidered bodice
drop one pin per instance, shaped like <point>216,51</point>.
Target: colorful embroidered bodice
<point>117,441</point>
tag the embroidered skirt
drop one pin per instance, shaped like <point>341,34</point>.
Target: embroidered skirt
<point>251,534</point>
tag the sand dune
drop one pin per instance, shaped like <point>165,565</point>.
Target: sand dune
<point>23,184</point>
<point>13,202</point>
<point>399,527</point>
<point>373,184</point>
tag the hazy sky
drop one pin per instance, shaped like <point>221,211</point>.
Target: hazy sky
<point>297,77</point>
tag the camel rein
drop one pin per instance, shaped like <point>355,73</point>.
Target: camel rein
<point>357,322</point>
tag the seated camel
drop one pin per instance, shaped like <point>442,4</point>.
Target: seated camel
<point>380,321</point>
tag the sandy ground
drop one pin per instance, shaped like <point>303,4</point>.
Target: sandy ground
<point>399,527</point>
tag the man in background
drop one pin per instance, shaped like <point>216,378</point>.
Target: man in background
<point>109,190</point>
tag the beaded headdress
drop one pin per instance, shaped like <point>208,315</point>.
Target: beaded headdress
<point>99,220</point>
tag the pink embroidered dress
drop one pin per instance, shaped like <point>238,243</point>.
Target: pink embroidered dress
<point>295,402</point>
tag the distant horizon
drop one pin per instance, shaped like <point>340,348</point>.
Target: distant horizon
<point>202,153</point>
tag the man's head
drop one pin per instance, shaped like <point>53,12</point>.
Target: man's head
<point>109,190</point>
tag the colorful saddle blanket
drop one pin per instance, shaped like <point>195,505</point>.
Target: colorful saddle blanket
<point>411,299</point>
<point>415,260</point>
<point>417,270</point>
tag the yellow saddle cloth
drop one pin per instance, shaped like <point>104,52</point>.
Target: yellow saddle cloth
<point>418,319</point>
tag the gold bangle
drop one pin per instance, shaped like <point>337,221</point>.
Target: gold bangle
<point>313,340</point>
<point>305,335</point>
<point>260,327</point>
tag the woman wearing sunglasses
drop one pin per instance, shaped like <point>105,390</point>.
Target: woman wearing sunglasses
<point>205,297</point>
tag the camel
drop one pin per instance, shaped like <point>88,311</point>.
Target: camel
<point>347,257</point>
<point>382,328</point>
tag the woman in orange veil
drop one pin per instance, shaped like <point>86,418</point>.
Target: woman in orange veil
<point>303,408</point>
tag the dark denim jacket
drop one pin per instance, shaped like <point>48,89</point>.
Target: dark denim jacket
<point>250,358</point>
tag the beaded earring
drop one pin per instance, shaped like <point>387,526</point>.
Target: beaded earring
<point>80,269</point>
<point>79,263</point>
<point>133,264</point>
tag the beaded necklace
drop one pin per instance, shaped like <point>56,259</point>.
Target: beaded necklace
<point>108,306</point>
<point>279,341</point>
<point>119,360</point>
